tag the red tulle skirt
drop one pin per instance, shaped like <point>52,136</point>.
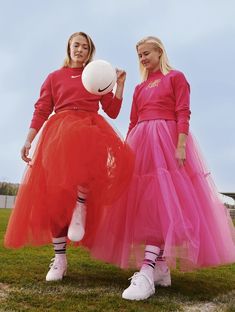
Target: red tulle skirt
<point>75,149</point>
<point>175,208</point>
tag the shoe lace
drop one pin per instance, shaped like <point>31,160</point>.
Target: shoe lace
<point>134,277</point>
<point>52,262</point>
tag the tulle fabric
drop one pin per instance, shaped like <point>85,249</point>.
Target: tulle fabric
<point>74,149</point>
<point>165,205</point>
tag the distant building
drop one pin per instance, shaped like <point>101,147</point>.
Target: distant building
<point>229,202</point>
<point>7,201</point>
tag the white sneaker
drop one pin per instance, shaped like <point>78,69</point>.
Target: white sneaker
<point>162,278</point>
<point>142,287</point>
<point>58,269</point>
<point>76,229</point>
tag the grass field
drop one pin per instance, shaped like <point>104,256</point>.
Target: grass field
<point>95,286</point>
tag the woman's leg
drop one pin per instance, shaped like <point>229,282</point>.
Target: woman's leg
<point>76,228</point>
<point>162,275</point>
<point>58,266</point>
<point>150,257</point>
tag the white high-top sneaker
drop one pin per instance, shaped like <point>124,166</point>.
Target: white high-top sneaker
<point>76,228</point>
<point>142,287</point>
<point>162,278</point>
<point>58,268</point>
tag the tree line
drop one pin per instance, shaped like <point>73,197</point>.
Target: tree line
<point>8,188</point>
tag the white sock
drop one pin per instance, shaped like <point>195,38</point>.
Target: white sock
<point>82,195</point>
<point>161,262</point>
<point>150,257</point>
<point>59,244</point>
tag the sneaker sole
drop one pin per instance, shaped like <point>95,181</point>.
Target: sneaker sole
<point>162,284</point>
<point>141,298</point>
<point>58,279</point>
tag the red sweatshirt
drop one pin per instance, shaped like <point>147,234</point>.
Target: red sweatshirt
<point>162,97</point>
<point>62,90</point>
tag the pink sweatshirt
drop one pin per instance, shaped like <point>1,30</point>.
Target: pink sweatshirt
<point>63,90</point>
<point>162,97</point>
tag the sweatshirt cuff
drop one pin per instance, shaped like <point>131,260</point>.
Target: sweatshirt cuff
<point>36,125</point>
<point>117,101</point>
<point>183,128</point>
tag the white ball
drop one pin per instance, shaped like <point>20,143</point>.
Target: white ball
<point>99,77</point>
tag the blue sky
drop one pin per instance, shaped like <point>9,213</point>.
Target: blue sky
<point>198,36</point>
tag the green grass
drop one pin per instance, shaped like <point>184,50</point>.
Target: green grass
<point>95,286</point>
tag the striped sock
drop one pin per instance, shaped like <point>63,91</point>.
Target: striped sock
<point>160,256</point>
<point>82,195</point>
<point>59,244</point>
<point>161,261</point>
<point>81,200</point>
<point>150,257</point>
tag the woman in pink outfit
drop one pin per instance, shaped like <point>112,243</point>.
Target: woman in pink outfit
<point>171,212</point>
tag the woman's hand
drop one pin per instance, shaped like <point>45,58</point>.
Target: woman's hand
<point>25,152</point>
<point>27,145</point>
<point>180,155</point>
<point>121,77</point>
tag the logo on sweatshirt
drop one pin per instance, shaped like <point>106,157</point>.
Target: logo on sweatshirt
<point>75,76</point>
<point>154,83</point>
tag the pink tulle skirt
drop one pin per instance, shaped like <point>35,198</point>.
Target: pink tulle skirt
<point>174,207</point>
<point>75,149</point>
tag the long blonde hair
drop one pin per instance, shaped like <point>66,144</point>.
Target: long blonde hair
<point>165,67</point>
<point>67,60</point>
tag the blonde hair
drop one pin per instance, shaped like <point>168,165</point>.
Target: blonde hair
<point>67,60</point>
<point>165,67</point>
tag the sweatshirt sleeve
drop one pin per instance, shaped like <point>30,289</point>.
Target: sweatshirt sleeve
<point>111,105</point>
<point>44,105</point>
<point>134,113</point>
<point>182,106</point>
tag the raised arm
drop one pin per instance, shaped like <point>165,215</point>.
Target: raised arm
<point>111,104</point>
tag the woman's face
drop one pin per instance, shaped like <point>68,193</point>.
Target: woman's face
<point>149,56</point>
<point>79,51</point>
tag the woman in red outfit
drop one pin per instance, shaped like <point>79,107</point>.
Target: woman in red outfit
<point>77,166</point>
